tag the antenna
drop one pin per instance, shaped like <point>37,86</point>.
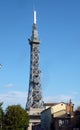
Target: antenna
<point>34,16</point>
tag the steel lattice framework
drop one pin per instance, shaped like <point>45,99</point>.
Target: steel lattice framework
<point>34,99</point>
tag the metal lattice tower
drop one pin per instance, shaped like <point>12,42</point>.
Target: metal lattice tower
<point>34,99</point>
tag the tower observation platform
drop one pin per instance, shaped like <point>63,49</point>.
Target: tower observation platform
<point>34,105</point>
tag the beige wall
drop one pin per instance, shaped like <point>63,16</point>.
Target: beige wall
<point>58,107</point>
<point>59,114</point>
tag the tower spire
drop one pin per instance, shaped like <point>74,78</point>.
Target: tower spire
<point>34,36</point>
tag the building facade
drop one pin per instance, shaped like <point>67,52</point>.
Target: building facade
<point>57,116</point>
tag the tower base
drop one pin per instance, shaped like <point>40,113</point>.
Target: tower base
<point>34,118</point>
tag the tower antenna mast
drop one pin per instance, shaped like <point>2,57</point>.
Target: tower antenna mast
<point>34,16</point>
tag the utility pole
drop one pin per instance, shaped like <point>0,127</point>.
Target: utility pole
<point>0,66</point>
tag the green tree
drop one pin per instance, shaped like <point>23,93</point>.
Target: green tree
<point>15,118</point>
<point>78,108</point>
<point>76,119</point>
<point>1,115</point>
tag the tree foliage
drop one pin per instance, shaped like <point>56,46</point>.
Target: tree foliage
<point>76,119</point>
<point>15,118</point>
<point>1,115</point>
<point>78,108</point>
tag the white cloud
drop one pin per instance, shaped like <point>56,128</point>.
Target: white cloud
<point>58,98</point>
<point>9,85</point>
<point>14,97</point>
<point>74,96</point>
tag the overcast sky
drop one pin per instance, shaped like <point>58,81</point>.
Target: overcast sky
<point>58,24</point>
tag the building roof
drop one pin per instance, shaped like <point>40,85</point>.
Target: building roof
<point>53,104</point>
<point>50,104</point>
